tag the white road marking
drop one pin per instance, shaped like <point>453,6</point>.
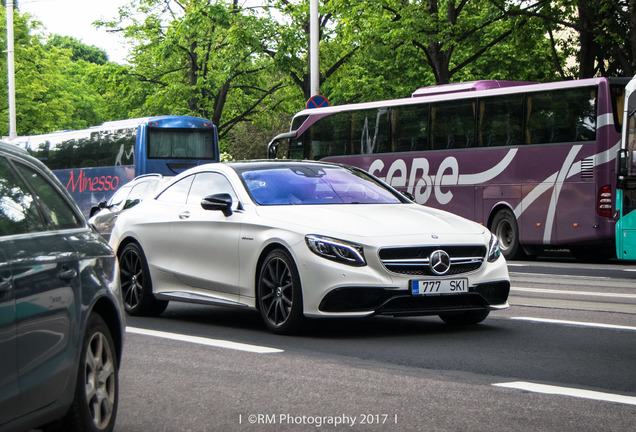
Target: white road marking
<point>579,293</point>
<point>576,323</point>
<point>219,343</point>
<point>567,391</point>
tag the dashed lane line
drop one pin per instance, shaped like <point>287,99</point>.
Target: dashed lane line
<point>576,323</point>
<point>568,391</point>
<point>219,343</point>
<point>578,293</point>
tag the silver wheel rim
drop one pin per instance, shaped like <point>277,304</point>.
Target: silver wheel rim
<point>100,385</point>
<point>504,233</point>
<point>276,292</point>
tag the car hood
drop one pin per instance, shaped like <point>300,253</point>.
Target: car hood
<point>366,220</point>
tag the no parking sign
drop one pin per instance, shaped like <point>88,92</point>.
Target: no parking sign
<point>317,101</point>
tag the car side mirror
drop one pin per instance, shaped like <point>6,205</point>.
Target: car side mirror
<point>131,203</point>
<point>222,202</point>
<point>94,209</point>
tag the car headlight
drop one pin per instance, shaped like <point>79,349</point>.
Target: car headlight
<point>336,250</point>
<point>494,252</point>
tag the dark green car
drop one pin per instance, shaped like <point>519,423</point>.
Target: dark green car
<point>61,320</point>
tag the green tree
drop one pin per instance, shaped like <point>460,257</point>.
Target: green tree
<point>52,91</point>
<point>79,51</point>
<point>201,57</point>
<point>455,39</point>
<point>602,33</point>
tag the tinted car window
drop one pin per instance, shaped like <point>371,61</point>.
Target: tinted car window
<point>57,211</point>
<point>18,211</point>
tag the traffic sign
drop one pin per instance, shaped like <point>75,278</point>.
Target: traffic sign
<point>317,101</point>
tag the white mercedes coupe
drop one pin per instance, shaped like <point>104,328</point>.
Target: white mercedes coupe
<point>298,240</point>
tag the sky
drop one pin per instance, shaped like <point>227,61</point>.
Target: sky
<point>75,18</point>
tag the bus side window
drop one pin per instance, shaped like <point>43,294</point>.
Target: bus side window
<point>453,125</point>
<point>500,121</point>
<point>539,122</point>
<point>561,116</point>
<point>410,128</point>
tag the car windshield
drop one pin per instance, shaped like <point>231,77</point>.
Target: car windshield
<point>303,184</point>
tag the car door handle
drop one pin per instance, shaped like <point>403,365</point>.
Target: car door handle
<point>66,274</point>
<point>184,215</point>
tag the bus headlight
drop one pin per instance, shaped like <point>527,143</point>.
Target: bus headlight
<point>336,250</point>
<point>494,252</point>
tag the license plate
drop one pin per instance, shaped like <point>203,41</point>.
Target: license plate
<point>440,286</point>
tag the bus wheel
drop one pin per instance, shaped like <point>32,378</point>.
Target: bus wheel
<point>504,226</point>
<point>136,285</point>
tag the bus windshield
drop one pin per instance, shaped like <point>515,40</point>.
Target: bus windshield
<point>180,144</point>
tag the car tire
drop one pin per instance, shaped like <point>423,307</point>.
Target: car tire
<point>136,285</point>
<point>504,226</point>
<point>465,318</point>
<point>279,293</point>
<point>94,407</point>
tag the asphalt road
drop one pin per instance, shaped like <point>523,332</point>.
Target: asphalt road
<point>562,358</point>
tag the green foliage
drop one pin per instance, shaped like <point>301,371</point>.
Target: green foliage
<point>79,51</point>
<point>62,84</point>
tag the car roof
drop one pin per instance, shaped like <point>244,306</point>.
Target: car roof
<point>273,163</point>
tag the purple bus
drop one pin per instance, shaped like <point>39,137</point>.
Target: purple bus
<point>532,162</point>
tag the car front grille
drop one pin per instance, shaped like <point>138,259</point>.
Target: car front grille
<point>415,260</point>
<point>391,302</point>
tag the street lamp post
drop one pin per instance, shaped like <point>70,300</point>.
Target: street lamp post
<point>11,69</point>
<point>314,66</point>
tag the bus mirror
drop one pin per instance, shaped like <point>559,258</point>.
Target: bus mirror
<point>621,163</point>
<point>272,147</point>
<point>621,169</point>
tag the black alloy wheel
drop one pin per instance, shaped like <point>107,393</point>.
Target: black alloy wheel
<point>279,293</point>
<point>136,285</point>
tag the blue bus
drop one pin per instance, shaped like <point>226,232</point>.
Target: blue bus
<point>93,163</point>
